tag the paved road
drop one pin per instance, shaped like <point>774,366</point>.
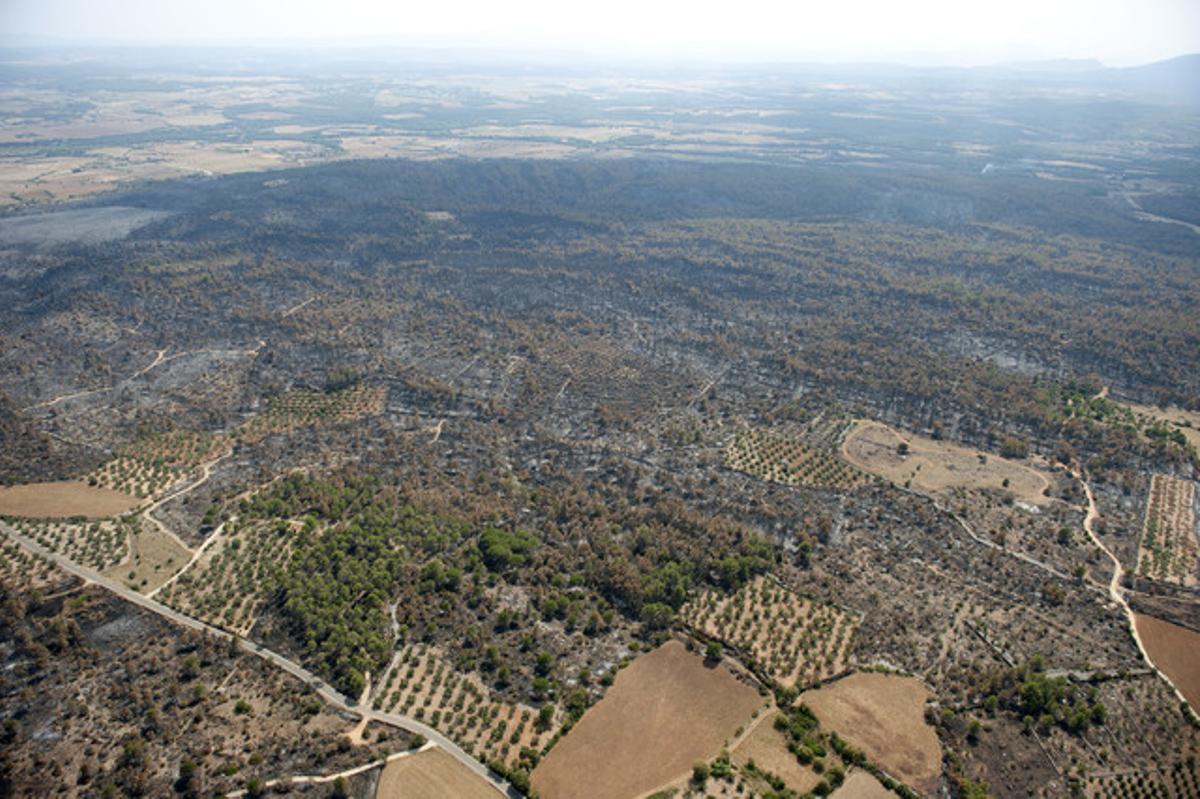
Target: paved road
<point>326,692</point>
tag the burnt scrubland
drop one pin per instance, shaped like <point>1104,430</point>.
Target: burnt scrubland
<point>467,438</point>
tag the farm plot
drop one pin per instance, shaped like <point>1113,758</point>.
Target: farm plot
<point>665,711</point>
<point>303,407</point>
<point>152,464</point>
<point>1176,651</point>
<point>431,774</point>
<point>227,584</point>
<point>1168,549</point>
<point>422,684</point>
<point>63,499</point>
<point>1180,780</point>
<point>23,568</point>
<point>99,544</point>
<point>793,640</point>
<point>790,460</point>
<point>934,466</point>
<point>884,715</point>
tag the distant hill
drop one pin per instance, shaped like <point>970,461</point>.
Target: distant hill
<point>1176,79</point>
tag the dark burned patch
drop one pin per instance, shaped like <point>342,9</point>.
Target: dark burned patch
<point>107,622</point>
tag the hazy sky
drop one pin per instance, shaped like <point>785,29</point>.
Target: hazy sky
<point>1118,32</point>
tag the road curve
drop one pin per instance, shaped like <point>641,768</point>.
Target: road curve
<point>1114,585</point>
<point>326,692</point>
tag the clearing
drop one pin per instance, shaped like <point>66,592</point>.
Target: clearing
<point>431,774</point>
<point>933,466</point>
<point>1168,548</point>
<point>884,715</point>
<point>154,556</point>
<point>1186,422</point>
<point>63,499</point>
<point>1175,651</point>
<point>665,711</point>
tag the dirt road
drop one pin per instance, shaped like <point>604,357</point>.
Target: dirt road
<point>327,693</point>
<point>1114,585</point>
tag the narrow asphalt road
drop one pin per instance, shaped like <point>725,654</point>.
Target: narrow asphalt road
<point>326,692</point>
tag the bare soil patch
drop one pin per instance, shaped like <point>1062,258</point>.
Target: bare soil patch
<point>431,774</point>
<point>1175,650</point>
<point>884,715</point>
<point>861,785</point>
<point>766,747</point>
<point>63,499</point>
<point>664,712</point>
<point>153,557</point>
<point>934,466</point>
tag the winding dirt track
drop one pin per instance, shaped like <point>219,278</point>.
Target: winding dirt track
<point>1114,585</point>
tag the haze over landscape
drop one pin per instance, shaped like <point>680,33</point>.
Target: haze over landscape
<point>637,400</point>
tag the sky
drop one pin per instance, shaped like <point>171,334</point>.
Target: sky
<point>1117,32</point>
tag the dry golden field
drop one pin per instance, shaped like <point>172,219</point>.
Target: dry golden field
<point>665,711</point>
<point>63,499</point>
<point>884,715</point>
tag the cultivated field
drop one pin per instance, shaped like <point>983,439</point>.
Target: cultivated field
<point>431,774</point>
<point>934,466</point>
<point>884,715</point>
<point>422,684</point>
<point>664,711</point>
<point>22,567</point>
<point>301,407</point>
<point>793,640</point>
<point>1181,780</point>
<point>1176,651</point>
<point>767,749</point>
<point>154,463</point>
<point>226,585</point>
<point>790,460</point>
<point>1168,549</point>
<point>63,499</point>
<point>98,544</point>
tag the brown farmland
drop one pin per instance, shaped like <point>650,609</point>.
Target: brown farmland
<point>664,711</point>
<point>1176,651</point>
<point>62,499</point>
<point>431,774</point>
<point>884,715</point>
